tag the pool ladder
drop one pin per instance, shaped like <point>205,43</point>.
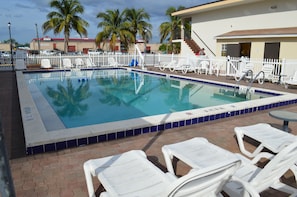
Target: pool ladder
<point>251,81</point>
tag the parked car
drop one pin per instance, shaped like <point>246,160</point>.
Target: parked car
<point>48,52</point>
<point>4,54</point>
<point>97,51</point>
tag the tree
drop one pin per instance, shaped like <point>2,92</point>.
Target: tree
<point>138,24</point>
<point>170,29</point>
<point>115,27</point>
<point>66,18</point>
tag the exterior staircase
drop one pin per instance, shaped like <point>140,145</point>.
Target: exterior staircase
<point>193,45</point>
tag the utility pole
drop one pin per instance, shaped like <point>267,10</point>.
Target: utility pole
<point>38,41</point>
<point>11,54</point>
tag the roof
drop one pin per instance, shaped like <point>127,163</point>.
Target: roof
<point>260,33</point>
<point>47,38</point>
<point>215,5</point>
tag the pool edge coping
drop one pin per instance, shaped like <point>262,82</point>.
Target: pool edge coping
<point>38,140</point>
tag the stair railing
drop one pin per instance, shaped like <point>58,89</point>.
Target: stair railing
<point>195,33</point>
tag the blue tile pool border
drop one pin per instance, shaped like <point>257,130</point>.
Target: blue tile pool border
<point>154,128</point>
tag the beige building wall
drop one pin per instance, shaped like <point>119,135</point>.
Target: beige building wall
<point>288,49</point>
<point>288,46</point>
<point>4,47</point>
<point>257,49</point>
<point>54,44</point>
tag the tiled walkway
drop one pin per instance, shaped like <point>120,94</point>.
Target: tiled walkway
<point>61,173</point>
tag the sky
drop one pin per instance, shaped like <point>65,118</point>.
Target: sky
<point>24,15</point>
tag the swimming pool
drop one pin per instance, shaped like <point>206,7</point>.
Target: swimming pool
<point>88,97</point>
<point>180,94</point>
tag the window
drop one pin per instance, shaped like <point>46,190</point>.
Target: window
<point>271,50</point>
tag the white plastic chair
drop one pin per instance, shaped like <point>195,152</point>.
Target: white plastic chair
<point>67,63</point>
<point>89,63</point>
<point>132,174</point>
<point>79,62</point>
<point>203,67</point>
<point>112,62</point>
<point>45,63</point>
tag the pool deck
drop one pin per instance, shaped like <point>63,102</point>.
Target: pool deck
<point>61,173</point>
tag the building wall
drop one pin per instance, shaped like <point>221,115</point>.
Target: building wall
<point>82,45</point>
<point>288,46</point>
<point>4,47</point>
<point>288,49</point>
<point>248,15</point>
<point>52,44</point>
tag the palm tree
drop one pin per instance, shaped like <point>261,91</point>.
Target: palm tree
<point>138,24</point>
<point>65,19</point>
<point>168,30</point>
<point>115,27</point>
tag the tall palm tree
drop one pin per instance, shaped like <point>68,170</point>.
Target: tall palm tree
<point>66,18</point>
<point>168,30</point>
<point>138,23</point>
<point>115,27</point>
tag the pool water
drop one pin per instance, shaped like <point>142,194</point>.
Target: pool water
<point>88,97</point>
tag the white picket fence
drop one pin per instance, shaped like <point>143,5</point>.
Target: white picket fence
<point>228,65</point>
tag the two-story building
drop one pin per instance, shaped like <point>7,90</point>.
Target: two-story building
<point>252,28</point>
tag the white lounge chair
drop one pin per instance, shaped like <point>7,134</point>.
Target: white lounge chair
<point>191,65</point>
<point>112,62</point>
<point>266,74</point>
<point>292,81</point>
<point>67,63</point>
<point>45,63</point>
<point>179,66</point>
<point>267,136</point>
<point>89,63</point>
<point>132,174</point>
<point>247,68</point>
<point>248,178</point>
<point>79,62</point>
<point>268,176</point>
<point>167,65</point>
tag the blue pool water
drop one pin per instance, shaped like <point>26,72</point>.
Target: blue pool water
<point>90,97</point>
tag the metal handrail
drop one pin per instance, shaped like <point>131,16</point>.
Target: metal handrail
<point>242,77</point>
<point>204,43</point>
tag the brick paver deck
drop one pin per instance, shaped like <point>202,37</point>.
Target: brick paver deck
<point>61,173</point>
